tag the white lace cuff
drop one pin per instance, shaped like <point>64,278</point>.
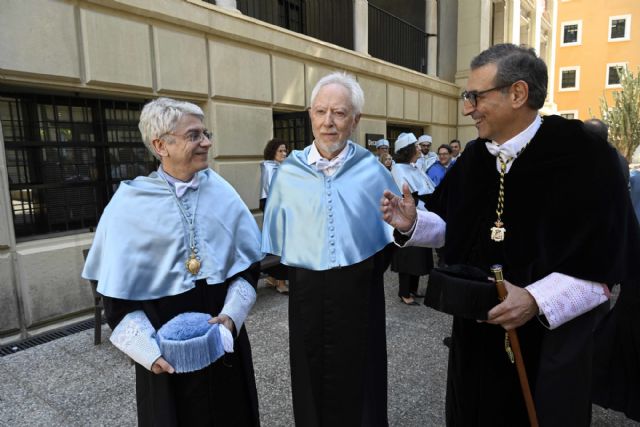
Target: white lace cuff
<point>240,299</point>
<point>136,337</point>
<point>429,231</point>
<point>562,298</point>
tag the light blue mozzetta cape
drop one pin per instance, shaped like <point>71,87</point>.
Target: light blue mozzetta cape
<point>321,222</point>
<point>142,240</point>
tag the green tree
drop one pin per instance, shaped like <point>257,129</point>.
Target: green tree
<point>623,117</point>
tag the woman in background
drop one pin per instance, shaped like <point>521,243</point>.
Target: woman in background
<point>274,153</point>
<point>411,262</point>
<point>386,160</point>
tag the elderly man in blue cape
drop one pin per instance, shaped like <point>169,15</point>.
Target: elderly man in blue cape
<point>175,242</point>
<point>321,218</point>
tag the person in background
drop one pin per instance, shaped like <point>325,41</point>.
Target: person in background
<point>427,158</point>
<point>411,263</point>
<point>386,160</point>
<point>600,128</point>
<point>382,147</point>
<point>322,220</point>
<point>455,149</point>
<point>274,153</point>
<point>179,241</point>
<point>438,170</point>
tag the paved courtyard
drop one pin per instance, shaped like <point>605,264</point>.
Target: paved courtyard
<point>71,382</point>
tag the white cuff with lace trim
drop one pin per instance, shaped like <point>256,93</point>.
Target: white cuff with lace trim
<point>562,298</point>
<point>428,231</point>
<point>240,299</point>
<point>136,337</point>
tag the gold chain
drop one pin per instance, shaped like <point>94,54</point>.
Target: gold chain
<point>498,231</point>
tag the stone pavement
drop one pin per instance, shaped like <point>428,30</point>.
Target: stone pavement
<point>71,382</point>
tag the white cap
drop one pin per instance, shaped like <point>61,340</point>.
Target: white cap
<point>403,140</point>
<point>425,138</point>
<point>382,143</point>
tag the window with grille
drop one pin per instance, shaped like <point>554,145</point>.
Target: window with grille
<point>294,128</point>
<point>619,28</point>
<point>569,78</point>
<point>571,33</point>
<point>568,114</point>
<point>613,74</point>
<point>66,157</point>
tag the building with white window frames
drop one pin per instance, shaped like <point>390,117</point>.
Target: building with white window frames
<point>594,40</point>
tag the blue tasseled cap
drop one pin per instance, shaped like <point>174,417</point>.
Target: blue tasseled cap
<point>189,342</point>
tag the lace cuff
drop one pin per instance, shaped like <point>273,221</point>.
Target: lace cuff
<point>240,299</point>
<point>562,298</point>
<point>429,231</point>
<point>136,337</point>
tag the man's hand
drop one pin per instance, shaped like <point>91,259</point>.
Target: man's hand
<point>161,366</point>
<point>516,309</point>
<point>225,320</point>
<point>399,212</point>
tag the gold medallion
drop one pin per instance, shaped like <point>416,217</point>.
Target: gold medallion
<point>497,232</point>
<point>192,264</point>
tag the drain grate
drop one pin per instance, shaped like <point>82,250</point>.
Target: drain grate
<point>47,337</point>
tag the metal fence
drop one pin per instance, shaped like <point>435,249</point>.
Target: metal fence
<point>328,20</point>
<point>397,41</point>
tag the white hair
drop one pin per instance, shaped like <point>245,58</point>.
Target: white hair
<point>348,82</point>
<point>161,116</point>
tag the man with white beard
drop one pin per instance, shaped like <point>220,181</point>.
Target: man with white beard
<point>321,218</point>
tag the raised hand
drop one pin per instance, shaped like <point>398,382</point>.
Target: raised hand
<point>399,212</point>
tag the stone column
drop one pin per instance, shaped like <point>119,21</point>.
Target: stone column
<point>431,27</point>
<point>514,22</point>
<point>474,36</point>
<point>537,25</point>
<point>361,26</point>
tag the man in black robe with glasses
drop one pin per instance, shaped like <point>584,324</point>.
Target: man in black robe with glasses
<point>546,199</point>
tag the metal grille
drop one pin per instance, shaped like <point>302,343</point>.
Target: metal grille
<point>294,128</point>
<point>397,41</point>
<point>46,337</point>
<point>66,157</point>
<point>327,20</point>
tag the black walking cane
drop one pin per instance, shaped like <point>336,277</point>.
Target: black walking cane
<point>512,347</point>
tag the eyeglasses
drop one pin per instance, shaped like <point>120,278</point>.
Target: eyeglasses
<point>194,136</point>
<point>472,95</point>
<point>446,153</point>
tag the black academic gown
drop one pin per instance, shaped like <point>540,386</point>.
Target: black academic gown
<point>566,210</point>
<point>222,394</point>
<point>337,344</point>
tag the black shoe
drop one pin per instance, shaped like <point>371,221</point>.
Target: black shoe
<point>415,295</point>
<point>408,303</point>
<point>447,341</point>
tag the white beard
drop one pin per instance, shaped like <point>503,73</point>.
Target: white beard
<point>332,148</point>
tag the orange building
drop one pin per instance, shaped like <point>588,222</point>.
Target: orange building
<point>594,38</point>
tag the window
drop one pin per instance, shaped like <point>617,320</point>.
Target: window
<point>619,28</point>
<point>295,128</point>
<point>569,78</point>
<point>568,114</point>
<point>571,33</point>
<point>66,157</point>
<point>613,74</point>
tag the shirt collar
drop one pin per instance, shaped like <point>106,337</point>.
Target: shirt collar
<point>180,187</point>
<point>510,148</point>
<point>314,154</point>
